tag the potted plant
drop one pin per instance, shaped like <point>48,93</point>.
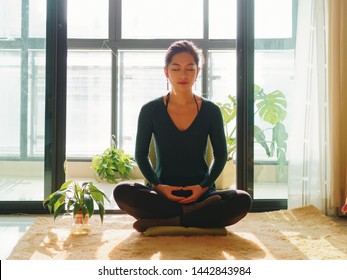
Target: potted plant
<point>71,197</point>
<point>270,108</point>
<point>112,164</point>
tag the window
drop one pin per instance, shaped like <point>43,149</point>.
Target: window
<point>115,64</point>
<point>222,19</point>
<point>9,109</point>
<point>137,40</point>
<point>88,19</point>
<point>273,19</point>
<point>22,106</point>
<point>10,23</point>
<point>273,70</point>
<point>158,19</point>
<point>89,80</point>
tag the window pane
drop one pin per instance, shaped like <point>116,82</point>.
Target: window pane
<point>154,19</point>
<point>87,19</point>
<point>274,70</point>
<point>36,103</point>
<point>222,19</point>
<point>222,75</point>
<point>273,19</point>
<point>10,18</point>
<point>88,102</point>
<point>10,89</point>
<point>141,79</point>
<point>222,83</point>
<point>22,107</point>
<point>37,15</point>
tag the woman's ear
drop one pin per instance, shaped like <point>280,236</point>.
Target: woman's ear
<point>166,72</point>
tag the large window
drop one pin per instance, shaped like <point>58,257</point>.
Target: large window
<point>109,99</point>
<point>115,64</point>
<point>22,106</point>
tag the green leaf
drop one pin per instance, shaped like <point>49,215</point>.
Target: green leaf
<point>101,210</point>
<point>76,208</point>
<point>110,171</point>
<point>98,194</point>
<point>53,198</point>
<point>58,210</point>
<point>88,200</point>
<point>272,106</point>
<point>281,159</point>
<point>259,137</point>
<point>280,135</point>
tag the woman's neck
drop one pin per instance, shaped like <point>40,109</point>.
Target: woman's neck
<point>182,97</point>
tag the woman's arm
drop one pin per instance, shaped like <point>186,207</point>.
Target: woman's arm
<point>143,140</point>
<point>218,141</point>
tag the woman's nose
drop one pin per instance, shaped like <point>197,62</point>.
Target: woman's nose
<point>183,74</point>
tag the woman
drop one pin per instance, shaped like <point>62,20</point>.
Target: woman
<point>181,189</point>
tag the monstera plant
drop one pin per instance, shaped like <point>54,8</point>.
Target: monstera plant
<point>270,110</point>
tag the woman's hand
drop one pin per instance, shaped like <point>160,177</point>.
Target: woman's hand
<point>197,191</point>
<point>167,190</point>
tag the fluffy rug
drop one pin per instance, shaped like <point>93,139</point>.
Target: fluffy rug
<point>302,233</point>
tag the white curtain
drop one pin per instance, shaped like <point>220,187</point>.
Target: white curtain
<point>308,173</point>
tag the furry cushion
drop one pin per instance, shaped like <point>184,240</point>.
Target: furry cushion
<point>185,231</point>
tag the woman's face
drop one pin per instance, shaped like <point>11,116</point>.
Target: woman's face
<point>182,71</point>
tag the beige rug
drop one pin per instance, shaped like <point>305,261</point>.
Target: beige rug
<point>302,233</point>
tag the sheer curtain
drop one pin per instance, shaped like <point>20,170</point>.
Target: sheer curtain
<point>308,156</point>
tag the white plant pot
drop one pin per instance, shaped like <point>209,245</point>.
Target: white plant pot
<point>227,179</point>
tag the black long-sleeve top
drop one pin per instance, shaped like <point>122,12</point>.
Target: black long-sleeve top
<point>180,155</point>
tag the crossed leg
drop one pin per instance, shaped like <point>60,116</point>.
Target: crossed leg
<point>218,209</point>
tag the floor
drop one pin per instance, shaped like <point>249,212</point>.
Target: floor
<point>12,228</point>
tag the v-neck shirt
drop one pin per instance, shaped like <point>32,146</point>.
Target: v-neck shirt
<point>180,154</point>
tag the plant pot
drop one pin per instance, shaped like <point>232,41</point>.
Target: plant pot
<point>80,224</point>
<point>227,179</point>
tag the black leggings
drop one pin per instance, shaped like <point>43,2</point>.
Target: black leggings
<point>143,203</point>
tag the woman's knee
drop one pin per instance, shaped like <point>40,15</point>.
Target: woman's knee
<point>239,198</point>
<point>120,191</point>
<point>245,200</point>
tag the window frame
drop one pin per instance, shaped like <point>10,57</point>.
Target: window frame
<point>115,43</point>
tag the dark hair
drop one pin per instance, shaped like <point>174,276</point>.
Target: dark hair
<point>183,46</point>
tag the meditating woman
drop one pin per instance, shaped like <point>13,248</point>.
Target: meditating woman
<point>180,189</point>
